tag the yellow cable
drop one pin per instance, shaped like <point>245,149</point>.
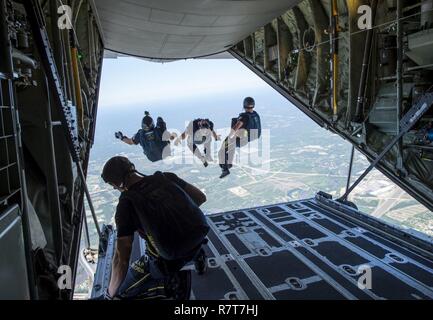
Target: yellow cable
<point>335,62</point>
<point>77,82</point>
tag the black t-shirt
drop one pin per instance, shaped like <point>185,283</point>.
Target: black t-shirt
<point>152,143</point>
<point>205,133</point>
<point>127,222</point>
<point>193,127</point>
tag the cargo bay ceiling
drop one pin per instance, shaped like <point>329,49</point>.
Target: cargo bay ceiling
<point>182,29</point>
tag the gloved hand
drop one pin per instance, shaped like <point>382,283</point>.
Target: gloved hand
<point>119,135</point>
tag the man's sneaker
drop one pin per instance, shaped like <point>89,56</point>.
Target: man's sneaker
<point>225,173</point>
<point>200,263</point>
<point>178,286</point>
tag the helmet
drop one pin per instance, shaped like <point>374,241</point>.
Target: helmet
<point>116,170</point>
<point>147,124</point>
<point>249,102</point>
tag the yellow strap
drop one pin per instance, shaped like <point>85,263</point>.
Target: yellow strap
<point>138,282</point>
<point>156,288</point>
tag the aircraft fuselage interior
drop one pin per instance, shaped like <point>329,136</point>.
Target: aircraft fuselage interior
<point>362,69</point>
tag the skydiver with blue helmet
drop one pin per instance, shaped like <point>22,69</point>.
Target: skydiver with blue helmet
<point>246,128</point>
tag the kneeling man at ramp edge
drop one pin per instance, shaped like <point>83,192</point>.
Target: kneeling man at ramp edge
<point>164,210</point>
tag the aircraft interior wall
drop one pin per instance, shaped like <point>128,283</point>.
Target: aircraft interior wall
<point>50,190</point>
<point>356,81</point>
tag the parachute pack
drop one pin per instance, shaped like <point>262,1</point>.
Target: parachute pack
<point>172,221</point>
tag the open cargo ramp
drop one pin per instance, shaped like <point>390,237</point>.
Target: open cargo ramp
<point>315,249</point>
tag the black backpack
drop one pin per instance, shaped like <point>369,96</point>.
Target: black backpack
<point>172,222</point>
<point>254,123</point>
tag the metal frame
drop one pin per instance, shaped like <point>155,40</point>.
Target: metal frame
<point>37,22</point>
<point>365,67</point>
<point>399,71</point>
<point>410,119</point>
<point>52,184</point>
<point>321,121</point>
<point>41,39</point>
<point>349,175</point>
<point>83,219</point>
<point>8,100</point>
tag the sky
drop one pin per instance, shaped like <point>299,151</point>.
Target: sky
<point>133,82</point>
<point>179,92</point>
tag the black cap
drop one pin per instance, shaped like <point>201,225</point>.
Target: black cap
<point>249,102</point>
<point>116,170</point>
